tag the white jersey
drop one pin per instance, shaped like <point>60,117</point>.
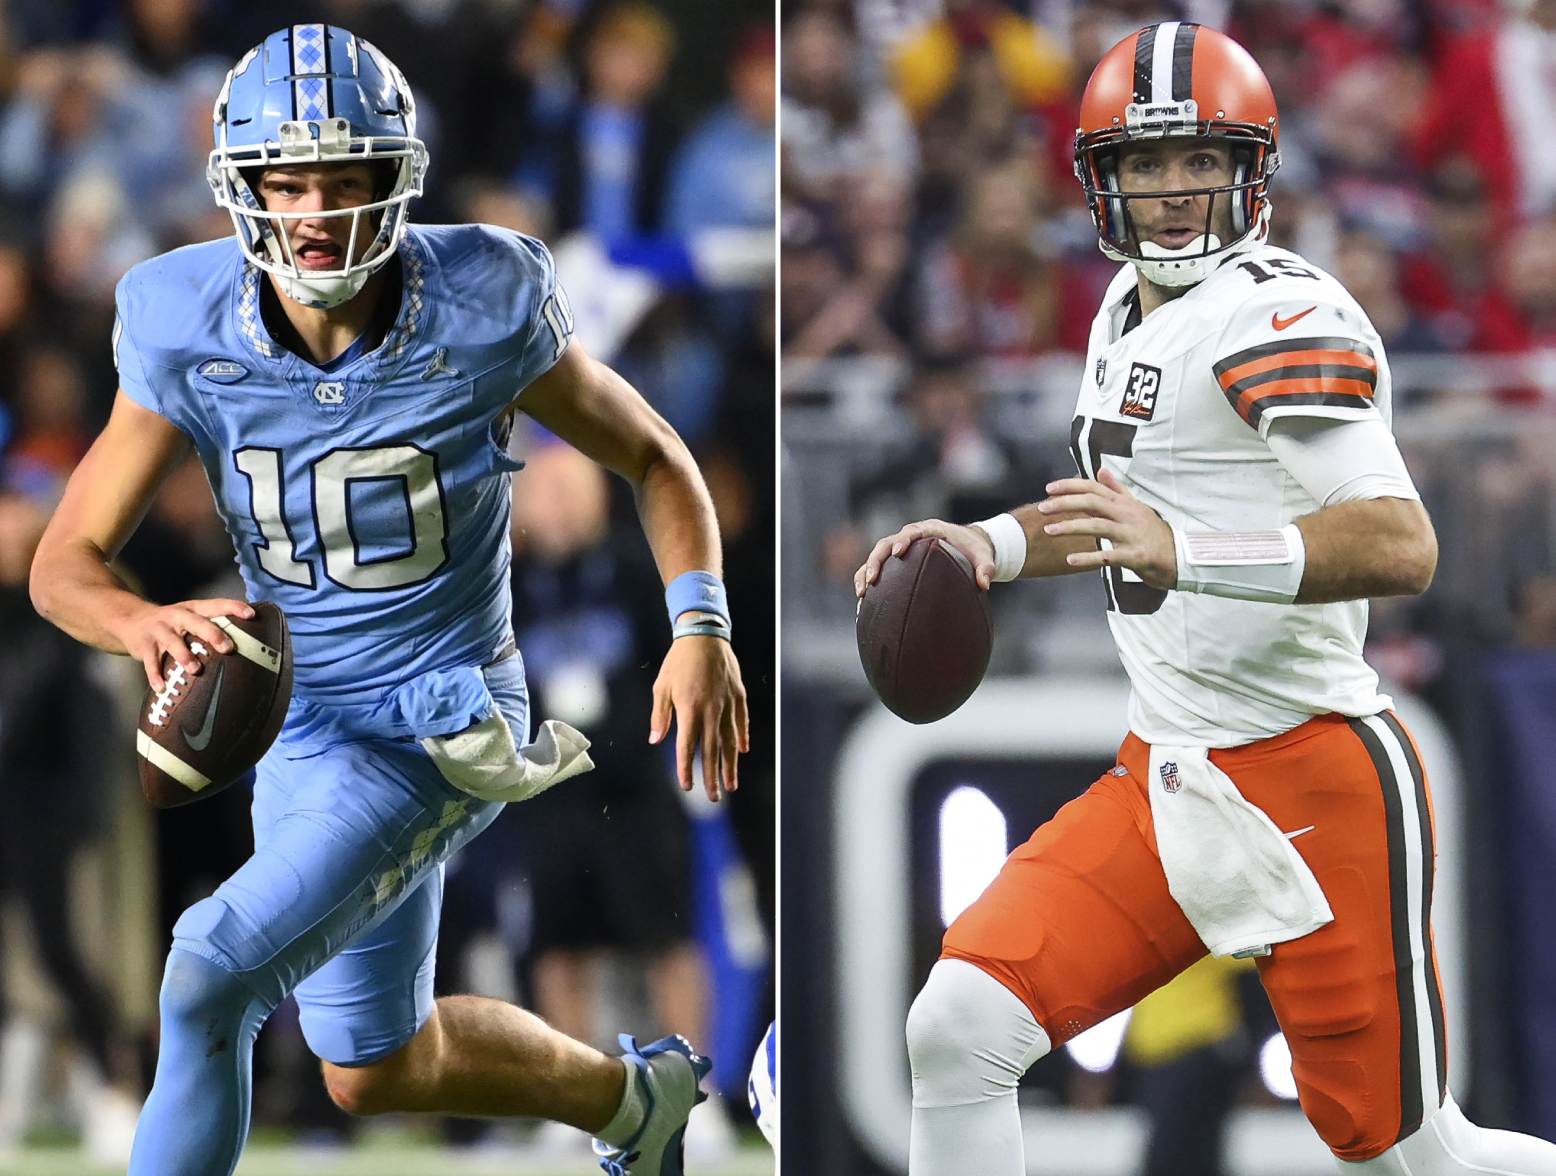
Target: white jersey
<point>1179,408</point>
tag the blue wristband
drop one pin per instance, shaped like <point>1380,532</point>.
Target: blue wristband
<point>697,592</point>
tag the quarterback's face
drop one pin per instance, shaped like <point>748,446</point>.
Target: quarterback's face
<point>320,242</point>
<point>1176,165</point>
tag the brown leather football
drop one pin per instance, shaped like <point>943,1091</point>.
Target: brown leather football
<point>202,733</point>
<point>924,632</point>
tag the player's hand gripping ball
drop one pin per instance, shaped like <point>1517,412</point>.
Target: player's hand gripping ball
<point>203,732</point>
<point>924,632</point>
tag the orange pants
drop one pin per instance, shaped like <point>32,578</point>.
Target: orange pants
<point>1079,923</point>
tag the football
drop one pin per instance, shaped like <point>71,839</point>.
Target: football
<point>202,733</point>
<point>924,632</point>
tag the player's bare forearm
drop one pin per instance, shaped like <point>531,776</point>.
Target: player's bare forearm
<point>72,584</point>
<point>1375,547</point>
<point>74,588</point>
<point>678,517</point>
<point>597,412</point>
<point>1047,554</point>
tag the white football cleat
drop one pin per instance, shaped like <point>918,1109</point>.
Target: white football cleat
<point>669,1073</point>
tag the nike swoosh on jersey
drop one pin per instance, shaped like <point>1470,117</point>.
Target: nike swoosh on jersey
<point>1280,324</point>
<point>199,740</point>
<point>1295,833</point>
<point>1324,370</point>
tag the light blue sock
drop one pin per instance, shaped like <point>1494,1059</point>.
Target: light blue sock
<point>197,1116</point>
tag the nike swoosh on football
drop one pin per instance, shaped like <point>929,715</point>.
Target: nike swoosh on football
<point>199,740</point>
<point>1280,324</point>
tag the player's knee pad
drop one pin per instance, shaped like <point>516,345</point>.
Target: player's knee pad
<point>214,930</point>
<point>197,992</point>
<point>969,1037</point>
<point>1448,1144</point>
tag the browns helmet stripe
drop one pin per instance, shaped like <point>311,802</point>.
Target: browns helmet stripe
<point>1164,62</point>
<point>1161,62</point>
<point>1183,62</point>
<point>1145,44</point>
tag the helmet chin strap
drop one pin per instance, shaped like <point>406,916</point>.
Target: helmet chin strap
<point>323,293</point>
<point>1193,262</point>
<point>1185,266</point>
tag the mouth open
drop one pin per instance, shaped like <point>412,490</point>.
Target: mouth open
<point>1176,238</point>
<point>319,255</point>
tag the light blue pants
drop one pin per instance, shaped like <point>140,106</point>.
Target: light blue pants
<point>339,904</point>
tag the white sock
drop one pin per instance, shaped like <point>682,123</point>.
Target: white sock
<point>629,1116</point>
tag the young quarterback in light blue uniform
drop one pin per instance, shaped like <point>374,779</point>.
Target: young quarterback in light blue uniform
<point>348,382</point>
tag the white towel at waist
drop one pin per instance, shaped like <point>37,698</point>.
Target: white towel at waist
<point>484,760</point>
<point>1236,876</point>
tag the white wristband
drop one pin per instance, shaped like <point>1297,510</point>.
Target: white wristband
<point>1265,566</point>
<point>1010,545</point>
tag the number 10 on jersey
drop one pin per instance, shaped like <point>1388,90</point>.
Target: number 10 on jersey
<point>332,477</point>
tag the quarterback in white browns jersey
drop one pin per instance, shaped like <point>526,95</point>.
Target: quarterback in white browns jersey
<point>1240,492</point>
<point>1182,407</point>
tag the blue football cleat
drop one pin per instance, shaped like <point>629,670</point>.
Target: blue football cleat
<point>669,1072</point>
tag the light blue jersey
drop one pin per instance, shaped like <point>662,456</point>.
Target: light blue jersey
<point>370,501</point>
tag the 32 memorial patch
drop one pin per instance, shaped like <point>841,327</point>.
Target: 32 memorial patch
<point>1140,396</point>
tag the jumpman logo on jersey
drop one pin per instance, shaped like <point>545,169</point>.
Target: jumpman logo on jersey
<point>439,365</point>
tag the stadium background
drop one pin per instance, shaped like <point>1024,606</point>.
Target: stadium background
<point>938,275</point>
<point>638,140</point>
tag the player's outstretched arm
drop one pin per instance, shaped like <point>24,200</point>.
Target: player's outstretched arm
<point>592,408</point>
<point>1045,553</point>
<point>72,582</point>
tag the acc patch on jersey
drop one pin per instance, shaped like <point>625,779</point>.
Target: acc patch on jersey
<point>1140,395</point>
<point>223,371</point>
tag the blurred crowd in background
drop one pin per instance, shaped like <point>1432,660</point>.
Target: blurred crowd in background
<point>940,270</point>
<point>640,136</point>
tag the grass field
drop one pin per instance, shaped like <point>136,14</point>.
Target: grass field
<point>379,1157</point>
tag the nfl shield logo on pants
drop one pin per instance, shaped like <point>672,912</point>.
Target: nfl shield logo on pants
<point>1170,779</point>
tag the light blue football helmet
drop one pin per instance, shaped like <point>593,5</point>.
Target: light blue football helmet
<point>306,94</point>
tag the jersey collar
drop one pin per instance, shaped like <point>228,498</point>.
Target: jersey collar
<point>410,323</point>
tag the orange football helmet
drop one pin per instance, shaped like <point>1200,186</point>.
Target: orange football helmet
<point>1170,80</point>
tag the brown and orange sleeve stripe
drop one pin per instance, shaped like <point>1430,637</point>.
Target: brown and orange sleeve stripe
<point>1322,370</point>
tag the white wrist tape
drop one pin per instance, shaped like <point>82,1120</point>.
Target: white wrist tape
<point>1244,565</point>
<point>1010,545</point>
